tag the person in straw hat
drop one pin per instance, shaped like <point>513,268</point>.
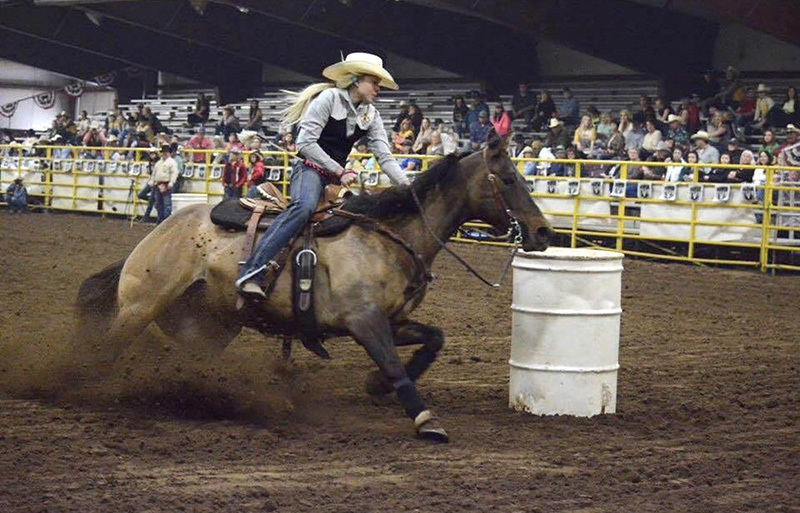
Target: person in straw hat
<point>706,152</point>
<point>330,118</point>
<point>764,105</point>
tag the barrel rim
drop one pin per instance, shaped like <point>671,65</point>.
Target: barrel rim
<point>558,253</point>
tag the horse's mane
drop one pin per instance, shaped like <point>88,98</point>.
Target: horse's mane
<point>398,200</point>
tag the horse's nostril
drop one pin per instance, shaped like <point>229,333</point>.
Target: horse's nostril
<point>544,232</point>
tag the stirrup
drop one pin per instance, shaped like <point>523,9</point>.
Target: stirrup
<point>251,290</point>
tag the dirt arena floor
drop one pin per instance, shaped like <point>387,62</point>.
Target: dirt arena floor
<point>707,405</point>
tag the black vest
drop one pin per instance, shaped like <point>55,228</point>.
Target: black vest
<point>334,141</point>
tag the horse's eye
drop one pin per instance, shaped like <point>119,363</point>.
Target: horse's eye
<point>508,179</point>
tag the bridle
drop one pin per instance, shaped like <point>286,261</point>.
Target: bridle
<point>514,230</point>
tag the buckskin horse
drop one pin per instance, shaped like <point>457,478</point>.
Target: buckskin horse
<point>368,280</point>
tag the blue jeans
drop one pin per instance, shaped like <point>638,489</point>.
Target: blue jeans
<point>163,204</point>
<point>306,189</point>
<point>232,192</point>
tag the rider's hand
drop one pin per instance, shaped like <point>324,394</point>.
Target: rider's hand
<point>349,176</point>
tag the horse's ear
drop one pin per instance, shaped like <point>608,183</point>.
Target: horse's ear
<point>497,144</point>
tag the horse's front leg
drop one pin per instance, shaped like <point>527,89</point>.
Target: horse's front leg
<point>372,330</point>
<point>409,333</point>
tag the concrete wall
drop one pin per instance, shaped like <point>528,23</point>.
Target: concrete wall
<point>749,50</point>
<point>20,81</point>
<point>558,60</point>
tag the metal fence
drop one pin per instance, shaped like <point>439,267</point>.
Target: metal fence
<point>736,224</point>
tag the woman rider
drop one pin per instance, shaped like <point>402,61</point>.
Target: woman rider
<point>332,116</point>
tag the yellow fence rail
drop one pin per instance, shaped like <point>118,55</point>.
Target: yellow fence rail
<point>748,225</point>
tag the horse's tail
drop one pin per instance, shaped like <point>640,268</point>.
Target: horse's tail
<point>97,296</point>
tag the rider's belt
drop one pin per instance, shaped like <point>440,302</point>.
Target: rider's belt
<point>324,173</point>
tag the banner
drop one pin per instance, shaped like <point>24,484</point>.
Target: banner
<point>74,89</point>
<point>8,109</point>
<point>105,80</point>
<point>45,100</point>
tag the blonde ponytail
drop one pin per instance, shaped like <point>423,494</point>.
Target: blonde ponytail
<point>299,101</point>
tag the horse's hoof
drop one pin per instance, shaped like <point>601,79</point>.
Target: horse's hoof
<point>376,384</point>
<point>429,428</point>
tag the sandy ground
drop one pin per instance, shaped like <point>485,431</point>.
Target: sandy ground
<point>707,405</point>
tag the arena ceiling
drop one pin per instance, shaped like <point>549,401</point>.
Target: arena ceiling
<point>224,43</point>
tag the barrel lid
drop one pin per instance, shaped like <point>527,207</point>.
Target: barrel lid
<point>554,253</point>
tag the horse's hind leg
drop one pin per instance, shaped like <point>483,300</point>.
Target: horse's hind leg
<point>405,334</point>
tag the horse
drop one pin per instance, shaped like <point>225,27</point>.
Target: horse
<point>368,281</point>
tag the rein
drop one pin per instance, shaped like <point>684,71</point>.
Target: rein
<point>513,229</point>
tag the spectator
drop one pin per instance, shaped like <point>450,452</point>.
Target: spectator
<point>255,117</point>
<point>17,197</point>
<point>676,131</point>
<point>708,87</point>
<point>479,131</point>
<point>145,131</point>
<point>768,144</point>
<point>635,137</point>
<point>544,111</point>
<point>128,133</point>
<point>662,154</point>
<point>792,133</point>
<point>692,158</point>
<point>229,124</point>
<point>744,174</point>
<point>408,163</point>
<point>633,172</point>
<point>523,104</point>
<point>415,115</point>
<point>604,127</point>
<point>678,171</point>
<point>718,129</point>
<point>112,152</point>
<point>234,142</point>
<point>646,111</point>
<point>406,132</point>
<point>501,121</point>
<point>615,146</point>
<point>257,174</point>
<point>558,135</point>
<point>733,150</point>
<point>83,125</point>
<point>760,174</point>
<point>763,116</point>
<point>199,141</point>
<point>474,112</point>
<point>706,152</point>
<point>162,181</point>
<point>718,175</point>
<point>569,111</point>
<point>449,139</point>
<point>154,122</point>
<point>651,139</point>
<point>790,107</point>
<point>562,168</point>
<point>235,174</point>
<point>459,115</point>
<point>113,125</point>
<point>585,137</point>
<point>663,111</point>
<point>175,151</point>
<point>401,115</point>
<point>529,167</point>
<point>594,114</point>
<point>202,108</point>
<point>625,122</point>
<point>731,92</point>
<point>747,109</point>
<point>287,142</point>
<point>220,155</point>
<point>93,140</point>
<point>691,116</point>
<point>424,136</point>
<point>435,145</point>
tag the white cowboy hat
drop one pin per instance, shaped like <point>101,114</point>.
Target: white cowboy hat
<point>112,138</point>
<point>792,128</point>
<point>526,149</point>
<point>762,88</point>
<point>357,64</point>
<point>702,134</point>
<point>554,123</point>
<point>672,118</point>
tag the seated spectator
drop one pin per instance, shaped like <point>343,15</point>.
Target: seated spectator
<point>706,152</point>
<point>113,125</point>
<point>529,167</point>
<point>459,116</point>
<point>562,168</point>
<point>154,122</point>
<point>544,111</point>
<point>409,163</point>
<point>235,174</point>
<point>287,142</point>
<point>144,130</point>
<point>112,152</point>
<point>199,141</point>
<point>593,113</point>
<point>692,158</point>
<point>257,174</point>
<point>229,124</point>
<point>663,111</point>
<point>676,131</point>
<point>690,117</point>
<point>220,155</point>
<point>744,174</point>
<point>764,115</point>
<point>747,109</point>
<point>477,106</point>
<point>570,110</point>
<point>523,104</point>
<point>435,145</point>
<point>401,115</point>
<point>234,142</point>
<point>625,122</point>
<point>678,171</point>
<point>635,137</point>
<point>760,173</point>
<point>558,135</point>
<point>707,88</point>
<point>734,150</point>
<point>501,121</point>
<point>62,150</point>
<point>768,143</point>
<point>645,112</point>
<point>128,132</point>
<point>718,175</point>
<point>615,146</point>
<point>585,137</point>
<point>789,109</point>
<point>662,154</point>
<point>604,127</point>
<point>202,108</point>
<point>650,140</point>
<point>406,132</point>
<point>415,115</point>
<point>718,129</point>
<point>792,135</point>
<point>17,197</point>
<point>449,139</point>
<point>424,136</point>
<point>731,92</point>
<point>93,141</point>
<point>255,118</point>
<point>479,131</point>
<point>83,124</point>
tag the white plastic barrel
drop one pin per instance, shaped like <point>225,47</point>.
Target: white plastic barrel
<point>184,199</point>
<point>565,332</point>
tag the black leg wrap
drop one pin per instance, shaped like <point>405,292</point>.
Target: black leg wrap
<point>409,397</point>
<point>422,359</point>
